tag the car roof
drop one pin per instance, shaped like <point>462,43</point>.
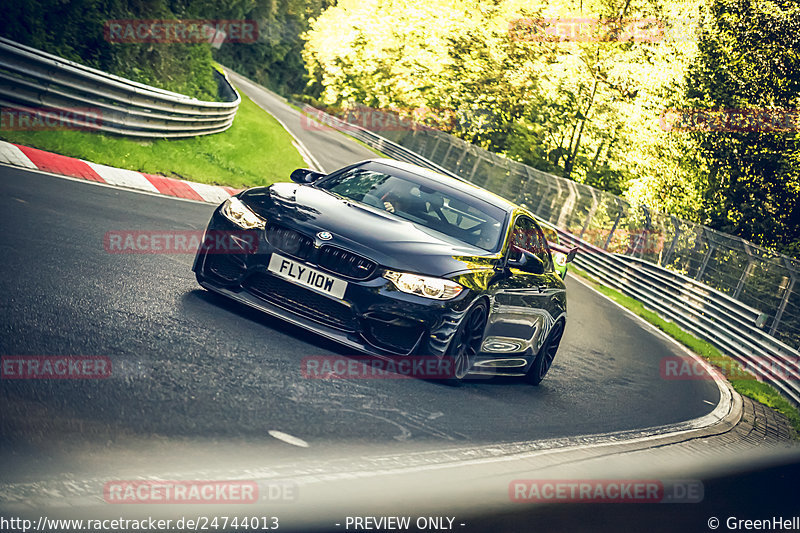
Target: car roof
<point>456,183</point>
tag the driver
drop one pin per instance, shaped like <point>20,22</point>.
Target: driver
<point>398,198</point>
<point>393,202</point>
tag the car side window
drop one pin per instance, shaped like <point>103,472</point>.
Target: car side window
<point>528,236</point>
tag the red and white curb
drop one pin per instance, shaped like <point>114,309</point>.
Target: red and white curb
<point>32,158</point>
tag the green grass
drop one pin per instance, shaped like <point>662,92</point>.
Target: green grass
<point>747,386</point>
<point>255,150</point>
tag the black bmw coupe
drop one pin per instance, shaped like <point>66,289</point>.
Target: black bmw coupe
<point>396,260</point>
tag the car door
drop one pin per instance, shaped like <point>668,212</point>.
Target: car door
<point>526,304</point>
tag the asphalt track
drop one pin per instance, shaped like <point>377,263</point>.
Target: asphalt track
<point>191,367</point>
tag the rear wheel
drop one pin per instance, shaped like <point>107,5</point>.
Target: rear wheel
<point>546,355</point>
<point>466,343</point>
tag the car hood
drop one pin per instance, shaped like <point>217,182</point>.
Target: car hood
<point>389,240</point>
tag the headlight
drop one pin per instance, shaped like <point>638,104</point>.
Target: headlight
<point>427,287</point>
<point>560,259</point>
<point>234,210</point>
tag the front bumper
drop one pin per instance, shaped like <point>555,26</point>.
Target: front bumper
<point>372,317</point>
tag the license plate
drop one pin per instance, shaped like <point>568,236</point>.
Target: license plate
<point>307,276</point>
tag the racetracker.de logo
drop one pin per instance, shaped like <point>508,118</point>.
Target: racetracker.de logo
<point>55,367</point>
<point>46,119</point>
<point>620,240</point>
<point>377,120</point>
<point>594,29</point>
<point>368,367</point>
<point>170,492</point>
<point>678,368</point>
<point>605,491</point>
<point>180,242</point>
<point>194,31</point>
<point>731,120</point>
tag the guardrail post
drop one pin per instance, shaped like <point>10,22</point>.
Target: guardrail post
<point>745,273</point>
<point>614,226</point>
<point>704,264</point>
<point>475,168</point>
<point>447,153</point>
<point>785,300</point>
<point>637,247</point>
<point>461,158</point>
<point>542,196</point>
<point>569,204</point>
<point>557,199</point>
<point>435,146</point>
<point>507,181</point>
<point>591,213</point>
<point>666,257</point>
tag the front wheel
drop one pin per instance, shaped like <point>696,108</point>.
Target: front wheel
<point>466,342</point>
<point>546,355</point>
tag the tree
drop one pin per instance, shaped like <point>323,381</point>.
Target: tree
<point>75,30</point>
<point>749,59</point>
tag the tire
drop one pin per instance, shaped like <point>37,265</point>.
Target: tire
<point>466,342</point>
<point>544,359</point>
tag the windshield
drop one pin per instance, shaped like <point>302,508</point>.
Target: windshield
<point>425,203</point>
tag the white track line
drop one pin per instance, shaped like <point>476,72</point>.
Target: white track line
<point>289,439</point>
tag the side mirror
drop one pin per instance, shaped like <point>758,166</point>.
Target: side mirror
<point>527,262</point>
<point>305,175</point>
<point>571,254</point>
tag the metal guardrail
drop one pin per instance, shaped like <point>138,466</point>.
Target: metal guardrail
<point>35,82</point>
<point>724,321</point>
<point>708,314</point>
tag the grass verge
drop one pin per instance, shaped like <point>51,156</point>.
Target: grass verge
<point>255,150</point>
<point>750,387</point>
